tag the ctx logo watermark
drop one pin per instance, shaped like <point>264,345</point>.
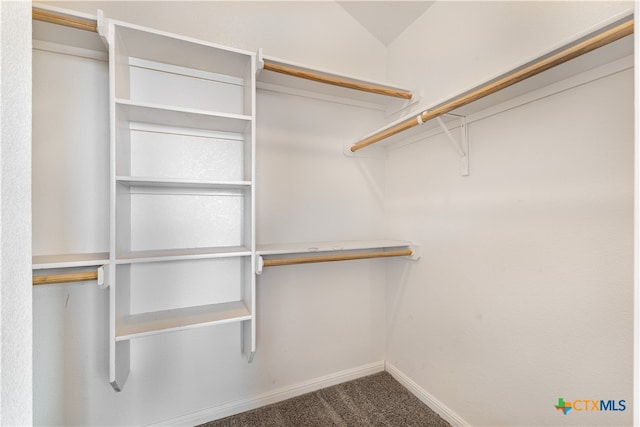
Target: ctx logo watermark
<point>590,405</point>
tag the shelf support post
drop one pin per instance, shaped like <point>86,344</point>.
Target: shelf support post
<point>461,147</point>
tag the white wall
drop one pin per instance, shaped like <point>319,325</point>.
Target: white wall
<point>313,321</point>
<point>15,217</point>
<point>524,293</point>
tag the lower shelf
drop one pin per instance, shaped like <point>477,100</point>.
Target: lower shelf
<point>145,324</point>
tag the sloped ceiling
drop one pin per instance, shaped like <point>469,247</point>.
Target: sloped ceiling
<point>386,20</point>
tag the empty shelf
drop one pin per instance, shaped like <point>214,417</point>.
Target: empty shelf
<point>145,324</point>
<point>161,255</point>
<point>180,183</point>
<point>182,117</point>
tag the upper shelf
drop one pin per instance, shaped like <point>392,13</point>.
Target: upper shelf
<point>275,72</point>
<point>603,46</point>
<point>55,25</point>
<point>153,45</point>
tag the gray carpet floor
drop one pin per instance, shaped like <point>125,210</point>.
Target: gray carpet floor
<point>377,400</point>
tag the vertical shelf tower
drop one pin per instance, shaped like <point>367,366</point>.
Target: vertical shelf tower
<point>182,231</point>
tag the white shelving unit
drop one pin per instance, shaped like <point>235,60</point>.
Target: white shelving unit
<point>182,186</point>
<point>169,205</point>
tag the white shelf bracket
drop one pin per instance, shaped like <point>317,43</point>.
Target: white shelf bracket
<point>103,277</point>
<point>462,146</point>
<point>259,264</point>
<point>102,26</point>
<point>259,61</point>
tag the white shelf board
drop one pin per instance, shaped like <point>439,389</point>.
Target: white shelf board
<point>329,246</point>
<point>181,117</point>
<point>181,183</point>
<point>41,262</point>
<point>268,78</point>
<point>146,324</point>
<point>164,255</point>
<point>173,49</point>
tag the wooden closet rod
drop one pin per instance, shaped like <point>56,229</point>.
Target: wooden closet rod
<point>329,258</point>
<point>318,77</point>
<point>65,278</point>
<point>57,18</point>
<point>601,39</point>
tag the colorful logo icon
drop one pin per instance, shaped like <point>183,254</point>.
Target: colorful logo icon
<point>563,406</point>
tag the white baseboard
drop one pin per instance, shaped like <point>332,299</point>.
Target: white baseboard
<point>273,396</point>
<point>428,399</point>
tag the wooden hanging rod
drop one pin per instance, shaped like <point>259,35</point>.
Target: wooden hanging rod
<point>322,78</point>
<point>601,39</point>
<point>330,258</point>
<point>60,19</point>
<point>92,25</point>
<point>65,278</point>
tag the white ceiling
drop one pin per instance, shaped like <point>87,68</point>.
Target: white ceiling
<point>386,20</point>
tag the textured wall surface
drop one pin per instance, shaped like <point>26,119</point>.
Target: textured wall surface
<point>15,214</point>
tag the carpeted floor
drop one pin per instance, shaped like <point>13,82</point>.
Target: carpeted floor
<point>377,400</point>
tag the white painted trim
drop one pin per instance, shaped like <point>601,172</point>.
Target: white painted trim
<point>274,396</point>
<point>433,403</point>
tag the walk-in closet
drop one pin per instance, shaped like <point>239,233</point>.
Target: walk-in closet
<point>209,207</point>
